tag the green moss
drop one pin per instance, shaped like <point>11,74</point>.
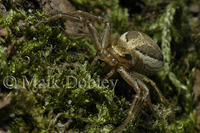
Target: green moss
<point>56,90</point>
<point>119,18</point>
<point>3,63</point>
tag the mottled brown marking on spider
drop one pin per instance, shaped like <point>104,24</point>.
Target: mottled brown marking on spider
<point>133,56</point>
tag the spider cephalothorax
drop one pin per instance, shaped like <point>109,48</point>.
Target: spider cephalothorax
<point>133,56</point>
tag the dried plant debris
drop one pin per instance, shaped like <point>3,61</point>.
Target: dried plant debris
<point>46,84</point>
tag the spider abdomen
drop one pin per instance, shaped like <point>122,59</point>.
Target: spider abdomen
<point>146,56</point>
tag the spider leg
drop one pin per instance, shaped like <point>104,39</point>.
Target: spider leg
<point>136,106</point>
<point>146,79</point>
<point>93,18</point>
<point>94,61</point>
<point>95,35</point>
<point>146,96</point>
<point>110,74</point>
<point>137,102</point>
<point>58,16</point>
<point>78,34</point>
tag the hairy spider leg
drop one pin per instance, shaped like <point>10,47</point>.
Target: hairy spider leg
<point>78,34</point>
<point>146,96</point>
<point>112,71</point>
<point>106,33</point>
<point>137,102</point>
<point>147,80</point>
<point>94,61</point>
<point>105,36</point>
<point>94,33</point>
<point>83,18</point>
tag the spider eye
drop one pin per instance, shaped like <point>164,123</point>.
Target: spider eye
<point>127,57</point>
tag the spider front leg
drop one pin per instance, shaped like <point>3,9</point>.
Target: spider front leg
<point>95,35</point>
<point>94,61</point>
<point>106,33</point>
<point>137,102</point>
<point>112,71</point>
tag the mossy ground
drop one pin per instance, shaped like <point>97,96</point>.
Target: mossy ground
<point>42,64</point>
